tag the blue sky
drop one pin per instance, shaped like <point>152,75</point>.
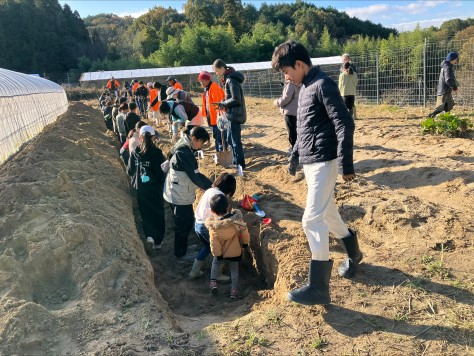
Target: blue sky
<point>401,14</point>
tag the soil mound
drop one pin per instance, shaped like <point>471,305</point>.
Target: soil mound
<point>74,277</point>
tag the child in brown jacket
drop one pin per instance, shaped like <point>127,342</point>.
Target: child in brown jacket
<point>228,235</point>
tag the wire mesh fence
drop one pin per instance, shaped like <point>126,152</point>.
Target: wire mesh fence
<point>400,76</point>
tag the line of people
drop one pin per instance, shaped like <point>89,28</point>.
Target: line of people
<point>172,181</point>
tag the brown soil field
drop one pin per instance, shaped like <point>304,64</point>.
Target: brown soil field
<point>76,278</point>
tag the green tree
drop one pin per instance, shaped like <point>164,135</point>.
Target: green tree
<point>327,45</point>
<point>259,45</point>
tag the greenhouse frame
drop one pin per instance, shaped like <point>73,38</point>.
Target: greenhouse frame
<point>27,104</point>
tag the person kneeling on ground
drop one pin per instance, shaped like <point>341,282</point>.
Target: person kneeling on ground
<point>224,184</point>
<point>180,188</point>
<point>229,235</point>
<point>144,166</point>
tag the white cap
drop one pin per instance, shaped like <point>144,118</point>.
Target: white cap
<point>149,84</point>
<point>145,129</point>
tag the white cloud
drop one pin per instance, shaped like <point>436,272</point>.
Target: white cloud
<point>419,6</point>
<point>409,26</point>
<point>366,12</point>
<point>134,14</point>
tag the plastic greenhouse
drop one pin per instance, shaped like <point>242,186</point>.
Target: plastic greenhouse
<point>261,80</point>
<point>27,105</point>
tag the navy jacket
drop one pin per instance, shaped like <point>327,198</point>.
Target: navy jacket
<point>325,129</point>
<point>447,81</point>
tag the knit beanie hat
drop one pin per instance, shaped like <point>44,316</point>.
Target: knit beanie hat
<point>204,75</point>
<point>452,56</point>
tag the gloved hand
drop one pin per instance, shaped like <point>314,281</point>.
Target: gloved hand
<point>292,167</point>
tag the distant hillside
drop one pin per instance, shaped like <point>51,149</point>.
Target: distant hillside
<point>43,37</point>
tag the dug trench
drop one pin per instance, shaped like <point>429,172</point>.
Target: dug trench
<point>75,278</point>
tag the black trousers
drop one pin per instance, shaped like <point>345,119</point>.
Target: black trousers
<point>349,100</point>
<point>183,216</point>
<point>152,208</point>
<point>290,122</point>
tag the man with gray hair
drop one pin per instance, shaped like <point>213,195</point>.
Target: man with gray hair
<point>346,58</point>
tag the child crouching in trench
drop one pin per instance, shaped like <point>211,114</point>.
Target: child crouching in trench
<point>228,236</point>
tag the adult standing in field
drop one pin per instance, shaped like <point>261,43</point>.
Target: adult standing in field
<point>213,93</point>
<point>324,143</point>
<point>154,93</point>
<point>113,86</point>
<point>345,58</point>
<point>288,103</point>
<point>234,105</point>
<point>446,85</point>
<point>173,82</point>
<point>144,166</point>
<point>180,187</point>
<point>141,95</point>
<point>347,86</point>
<point>135,85</point>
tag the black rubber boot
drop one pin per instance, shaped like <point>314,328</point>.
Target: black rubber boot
<point>317,289</point>
<point>354,256</point>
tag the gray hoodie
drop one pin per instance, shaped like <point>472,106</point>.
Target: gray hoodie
<point>288,102</point>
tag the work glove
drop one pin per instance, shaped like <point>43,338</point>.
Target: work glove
<point>292,166</point>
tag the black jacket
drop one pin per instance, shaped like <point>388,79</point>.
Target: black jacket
<point>148,163</point>
<point>234,102</point>
<point>447,81</point>
<point>324,127</point>
<point>130,121</point>
<point>141,91</point>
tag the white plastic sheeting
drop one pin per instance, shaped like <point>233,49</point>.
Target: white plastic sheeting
<point>164,72</point>
<point>27,105</point>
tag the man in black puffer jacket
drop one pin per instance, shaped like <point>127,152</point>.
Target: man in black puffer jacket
<point>324,142</point>
<point>446,85</point>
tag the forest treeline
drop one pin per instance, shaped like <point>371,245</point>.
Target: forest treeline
<point>38,36</point>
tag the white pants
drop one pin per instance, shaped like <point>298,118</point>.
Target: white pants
<point>321,215</point>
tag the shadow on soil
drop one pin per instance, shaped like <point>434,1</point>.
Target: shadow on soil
<point>429,176</point>
<point>384,276</point>
<point>353,324</point>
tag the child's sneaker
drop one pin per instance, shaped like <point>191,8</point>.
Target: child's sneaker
<point>234,293</point>
<point>213,285</point>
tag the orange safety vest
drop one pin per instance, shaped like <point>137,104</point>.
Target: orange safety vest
<point>153,95</point>
<point>117,84</point>
<point>178,85</point>
<point>216,95</point>
<point>135,86</point>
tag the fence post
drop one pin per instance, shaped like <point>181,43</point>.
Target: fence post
<point>424,74</point>
<point>377,76</point>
